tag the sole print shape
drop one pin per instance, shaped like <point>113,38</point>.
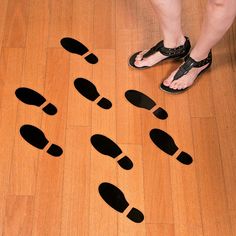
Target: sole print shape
<point>36,138</point>
<point>89,91</point>
<point>31,97</point>
<point>76,47</point>
<point>115,198</point>
<point>109,148</point>
<point>167,144</point>
<point>141,100</point>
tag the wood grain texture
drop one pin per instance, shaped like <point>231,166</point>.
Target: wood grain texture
<point>16,24</point>
<point>19,215</point>
<point>11,73</point>
<point>48,193</point>
<point>76,192</point>
<point>45,195</point>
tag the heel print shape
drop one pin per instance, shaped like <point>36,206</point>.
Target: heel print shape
<point>141,100</point>
<point>115,198</point>
<point>76,47</point>
<point>36,138</point>
<point>31,97</point>
<point>89,91</point>
<point>166,143</point>
<point>107,147</point>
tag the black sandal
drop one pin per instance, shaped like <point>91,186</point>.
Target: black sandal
<point>185,68</point>
<point>172,53</point>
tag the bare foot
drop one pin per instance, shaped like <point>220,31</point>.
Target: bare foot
<point>185,81</point>
<point>141,61</point>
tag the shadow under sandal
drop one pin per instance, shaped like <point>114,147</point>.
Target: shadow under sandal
<point>74,46</point>
<point>166,143</point>
<point>115,198</point>
<point>88,90</point>
<point>171,53</point>
<point>185,68</point>
<point>141,100</point>
<point>31,97</point>
<point>36,137</point>
<point>107,147</point>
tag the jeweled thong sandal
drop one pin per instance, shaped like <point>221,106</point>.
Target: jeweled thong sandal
<point>171,53</point>
<point>185,68</point>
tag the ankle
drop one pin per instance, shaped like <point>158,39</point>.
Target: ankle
<point>174,42</point>
<point>198,56</point>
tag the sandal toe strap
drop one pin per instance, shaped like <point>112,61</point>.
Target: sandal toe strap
<point>154,49</point>
<point>185,68</point>
<point>190,63</point>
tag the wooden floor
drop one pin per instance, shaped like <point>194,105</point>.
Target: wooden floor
<point>47,196</point>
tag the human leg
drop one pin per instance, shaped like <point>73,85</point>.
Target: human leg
<point>170,24</point>
<point>219,17</point>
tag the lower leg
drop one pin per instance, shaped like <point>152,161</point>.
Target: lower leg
<point>170,24</point>
<point>169,15</point>
<point>219,17</point>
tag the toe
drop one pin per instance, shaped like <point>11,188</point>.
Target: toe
<point>139,57</point>
<point>168,81</point>
<point>137,63</point>
<point>173,85</point>
<point>140,63</point>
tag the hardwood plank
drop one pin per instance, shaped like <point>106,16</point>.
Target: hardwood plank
<point>225,108</point>
<point>60,21</point>
<point>15,29</point>
<point>43,195</point>
<point>19,215</point>
<point>131,183</point>
<point>38,26</point>
<point>213,198</point>
<point>184,186</point>
<point>126,15</point>
<point>82,30</point>
<point>3,13</point>
<point>148,26</point>
<point>157,183</point>
<point>48,196</point>
<point>103,219</point>
<point>24,169</point>
<point>233,221</point>
<point>128,116</point>
<point>126,78</point>
<point>11,61</point>
<point>75,206</point>
<point>160,229</point>
<point>104,24</point>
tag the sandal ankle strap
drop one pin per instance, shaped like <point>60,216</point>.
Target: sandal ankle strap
<point>190,63</point>
<point>170,52</point>
<point>202,62</point>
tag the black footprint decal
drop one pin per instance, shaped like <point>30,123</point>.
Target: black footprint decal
<point>77,47</point>
<point>31,97</point>
<point>166,143</point>
<point>141,100</point>
<point>88,90</point>
<point>107,147</point>
<point>116,199</point>
<point>36,137</point>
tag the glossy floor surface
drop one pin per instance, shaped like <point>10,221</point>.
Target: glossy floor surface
<point>54,180</point>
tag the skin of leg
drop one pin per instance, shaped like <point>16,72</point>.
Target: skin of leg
<point>219,17</point>
<point>170,24</point>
